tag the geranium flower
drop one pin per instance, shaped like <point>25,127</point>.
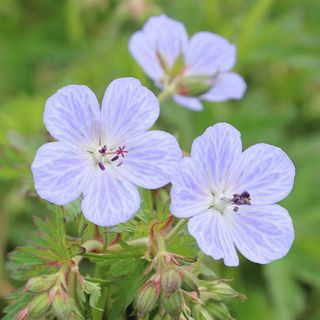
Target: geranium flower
<point>192,69</point>
<point>104,153</point>
<point>230,197</point>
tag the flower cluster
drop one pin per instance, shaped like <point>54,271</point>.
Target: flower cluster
<point>103,154</point>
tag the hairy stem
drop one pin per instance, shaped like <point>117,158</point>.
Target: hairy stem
<point>100,274</point>
<point>97,314</point>
<point>176,229</point>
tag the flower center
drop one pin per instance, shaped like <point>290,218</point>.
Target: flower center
<point>104,156</point>
<point>221,203</point>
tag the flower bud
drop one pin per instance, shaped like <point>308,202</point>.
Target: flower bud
<point>170,281</point>
<point>220,290</point>
<point>23,314</point>
<point>146,299</point>
<point>194,85</point>
<point>190,282</point>
<point>40,284</point>
<point>61,306</point>
<point>39,306</point>
<point>173,304</point>
<point>219,311</point>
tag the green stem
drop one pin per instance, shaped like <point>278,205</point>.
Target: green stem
<point>97,314</point>
<point>137,243</point>
<point>100,274</point>
<point>162,247</point>
<point>90,245</point>
<point>175,231</point>
<point>166,93</point>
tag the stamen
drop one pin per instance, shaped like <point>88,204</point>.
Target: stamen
<point>242,199</point>
<point>115,158</point>
<point>103,150</point>
<point>101,166</point>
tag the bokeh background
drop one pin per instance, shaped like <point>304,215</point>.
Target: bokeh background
<point>45,45</point>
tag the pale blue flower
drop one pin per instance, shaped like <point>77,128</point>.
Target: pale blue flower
<point>198,68</point>
<point>103,154</point>
<point>230,195</point>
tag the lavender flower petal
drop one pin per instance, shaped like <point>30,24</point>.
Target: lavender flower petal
<point>226,86</point>
<point>218,151</point>
<point>209,54</point>
<point>266,172</point>
<point>128,109</point>
<point>108,201</point>
<point>60,173</point>
<point>152,159</point>
<point>191,103</point>
<point>190,192</point>
<point>211,230</point>
<point>72,115</point>
<point>262,233</point>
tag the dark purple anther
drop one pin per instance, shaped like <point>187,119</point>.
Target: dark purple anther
<point>101,166</point>
<point>103,150</point>
<point>241,199</point>
<point>115,158</point>
<point>235,209</point>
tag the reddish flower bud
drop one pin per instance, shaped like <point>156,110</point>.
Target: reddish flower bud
<point>170,281</point>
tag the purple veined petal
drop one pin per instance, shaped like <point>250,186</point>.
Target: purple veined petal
<point>266,172</point>
<point>152,159</point>
<point>209,54</point>
<point>128,109</point>
<point>191,103</point>
<point>190,192</point>
<point>72,115</point>
<point>108,201</point>
<point>226,86</point>
<point>217,151</point>
<point>262,233</point>
<point>143,51</point>
<point>161,34</point>
<point>213,236</point>
<point>60,173</point>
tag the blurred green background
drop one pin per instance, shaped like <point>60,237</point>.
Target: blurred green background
<point>45,45</point>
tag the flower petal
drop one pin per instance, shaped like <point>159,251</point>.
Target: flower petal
<point>262,233</point>
<point>159,34</point>
<point>188,102</point>
<point>60,173</point>
<point>266,172</point>
<point>128,109</point>
<point>226,86</point>
<point>72,115</point>
<point>209,54</point>
<point>217,151</point>
<point>213,236</point>
<point>152,159</point>
<point>108,201</point>
<point>190,194</point>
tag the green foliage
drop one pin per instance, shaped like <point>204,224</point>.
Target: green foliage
<point>50,249</point>
<point>45,45</point>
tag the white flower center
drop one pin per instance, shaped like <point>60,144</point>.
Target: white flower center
<point>222,203</point>
<point>104,156</point>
